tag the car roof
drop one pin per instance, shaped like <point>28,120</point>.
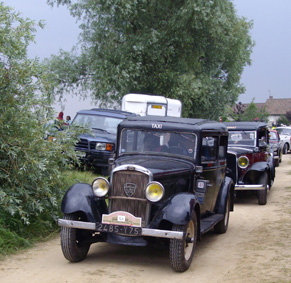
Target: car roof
<point>283,127</point>
<point>245,125</point>
<point>107,112</point>
<point>187,124</point>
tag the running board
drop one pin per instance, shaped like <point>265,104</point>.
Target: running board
<point>208,223</point>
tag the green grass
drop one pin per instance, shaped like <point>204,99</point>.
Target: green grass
<point>15,235</point>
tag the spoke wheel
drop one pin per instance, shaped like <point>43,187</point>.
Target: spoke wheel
<point>182,251</point>
<point>73,248</point>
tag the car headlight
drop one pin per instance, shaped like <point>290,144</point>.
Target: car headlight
<point>100,187</point>
<point>154,191</point>
<point>243,162</point>
<point>104,146</point>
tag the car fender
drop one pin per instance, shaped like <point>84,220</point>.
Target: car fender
<point>80,197</point>
<point>227,187</point>
<point>179,209</point>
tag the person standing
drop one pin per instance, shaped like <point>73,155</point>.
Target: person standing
<point>68,120</point>
<point>59,122</point>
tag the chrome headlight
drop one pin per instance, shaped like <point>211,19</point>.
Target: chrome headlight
<point>154,191</point>
<point>243,162</point>
<point>104,146</point>
<point>100,187</point>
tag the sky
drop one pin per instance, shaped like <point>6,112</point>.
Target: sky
<point>268,75</point>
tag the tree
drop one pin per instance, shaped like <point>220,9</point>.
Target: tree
<point>283,120</point>
<point>30,167</point>
<point>250,113</point>
<point>194,51</point>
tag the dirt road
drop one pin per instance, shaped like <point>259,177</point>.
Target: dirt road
<point>256,248</point>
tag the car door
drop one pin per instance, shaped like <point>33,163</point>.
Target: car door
<point>209,162</point>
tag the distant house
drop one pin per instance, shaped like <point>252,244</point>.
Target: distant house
<point>275,107</point>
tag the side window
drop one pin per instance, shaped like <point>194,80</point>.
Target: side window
<point>263,137</point>
<point>222,147</point>
<point>209,148</point>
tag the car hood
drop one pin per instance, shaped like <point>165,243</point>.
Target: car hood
<point>240,150</point>
<point>99,136</point>
<point>157,164</point>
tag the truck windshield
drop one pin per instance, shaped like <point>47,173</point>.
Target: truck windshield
<point>157,142</point>
<point>102,123</point>
<point>242,138</point>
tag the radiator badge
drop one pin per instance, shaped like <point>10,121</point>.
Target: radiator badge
<point>129,189</point>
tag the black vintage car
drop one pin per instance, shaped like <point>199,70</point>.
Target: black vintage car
<point>168,185</point>
<point>249,161</point>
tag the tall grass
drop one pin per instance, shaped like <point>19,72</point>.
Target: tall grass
<point>15,235</point>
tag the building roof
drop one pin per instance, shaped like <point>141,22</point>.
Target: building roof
<point>275,106</point>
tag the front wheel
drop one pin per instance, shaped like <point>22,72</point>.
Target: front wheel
<point>182,251</point>
<point>262,194</point>
<point>73,240</point>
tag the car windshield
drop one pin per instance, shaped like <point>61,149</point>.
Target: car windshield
<point>157,142</point>
<point>273,136</point>
<point>242,138</point>
<point>284,131</point>
<point>101,123</point>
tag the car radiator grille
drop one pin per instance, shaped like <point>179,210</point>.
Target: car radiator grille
<point>85,144</point>
<point>136,204</point>
<point>82,144</point>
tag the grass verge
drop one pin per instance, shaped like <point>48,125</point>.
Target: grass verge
<point>15,235</point>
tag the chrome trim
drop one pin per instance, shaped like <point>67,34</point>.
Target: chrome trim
<point>249,187</point>
<point>145,231</point>
<point>133,167</point>
<point>76,224</point>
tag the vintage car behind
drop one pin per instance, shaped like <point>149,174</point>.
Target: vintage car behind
<point>285,136</point>
<point>275,147</point>
<point>249,160</point>
<point>168,185</point>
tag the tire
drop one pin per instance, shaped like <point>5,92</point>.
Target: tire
<point>221,227</point>
<point>285,148</point>
<point>277,162</point>
<point>73,248</point>
<point>182,251</point>
<point>280,156</point>
<point>262,194</point>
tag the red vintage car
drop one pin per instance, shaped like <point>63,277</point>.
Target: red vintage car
<point>249,161</point>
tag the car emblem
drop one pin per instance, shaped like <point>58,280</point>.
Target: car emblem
<point>129,189</point>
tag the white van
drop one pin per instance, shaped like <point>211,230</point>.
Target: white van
<point>145,105</point>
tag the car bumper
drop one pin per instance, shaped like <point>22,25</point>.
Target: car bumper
<point>145,231</point>
<point>96,158</point>
<point>247,187</point>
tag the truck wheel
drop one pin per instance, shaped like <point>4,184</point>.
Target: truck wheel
<point>182,251</point>
<point>73,248</point>
<point>221,227</point>
<point>262,194</point>
<point>285,148</point>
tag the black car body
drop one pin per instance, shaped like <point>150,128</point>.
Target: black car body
<point>275,147</point>
<point>99,146</point>
<point>168,184</point>
<point>249,160</point>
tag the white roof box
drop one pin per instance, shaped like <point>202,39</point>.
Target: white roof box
<point>145,105</point>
